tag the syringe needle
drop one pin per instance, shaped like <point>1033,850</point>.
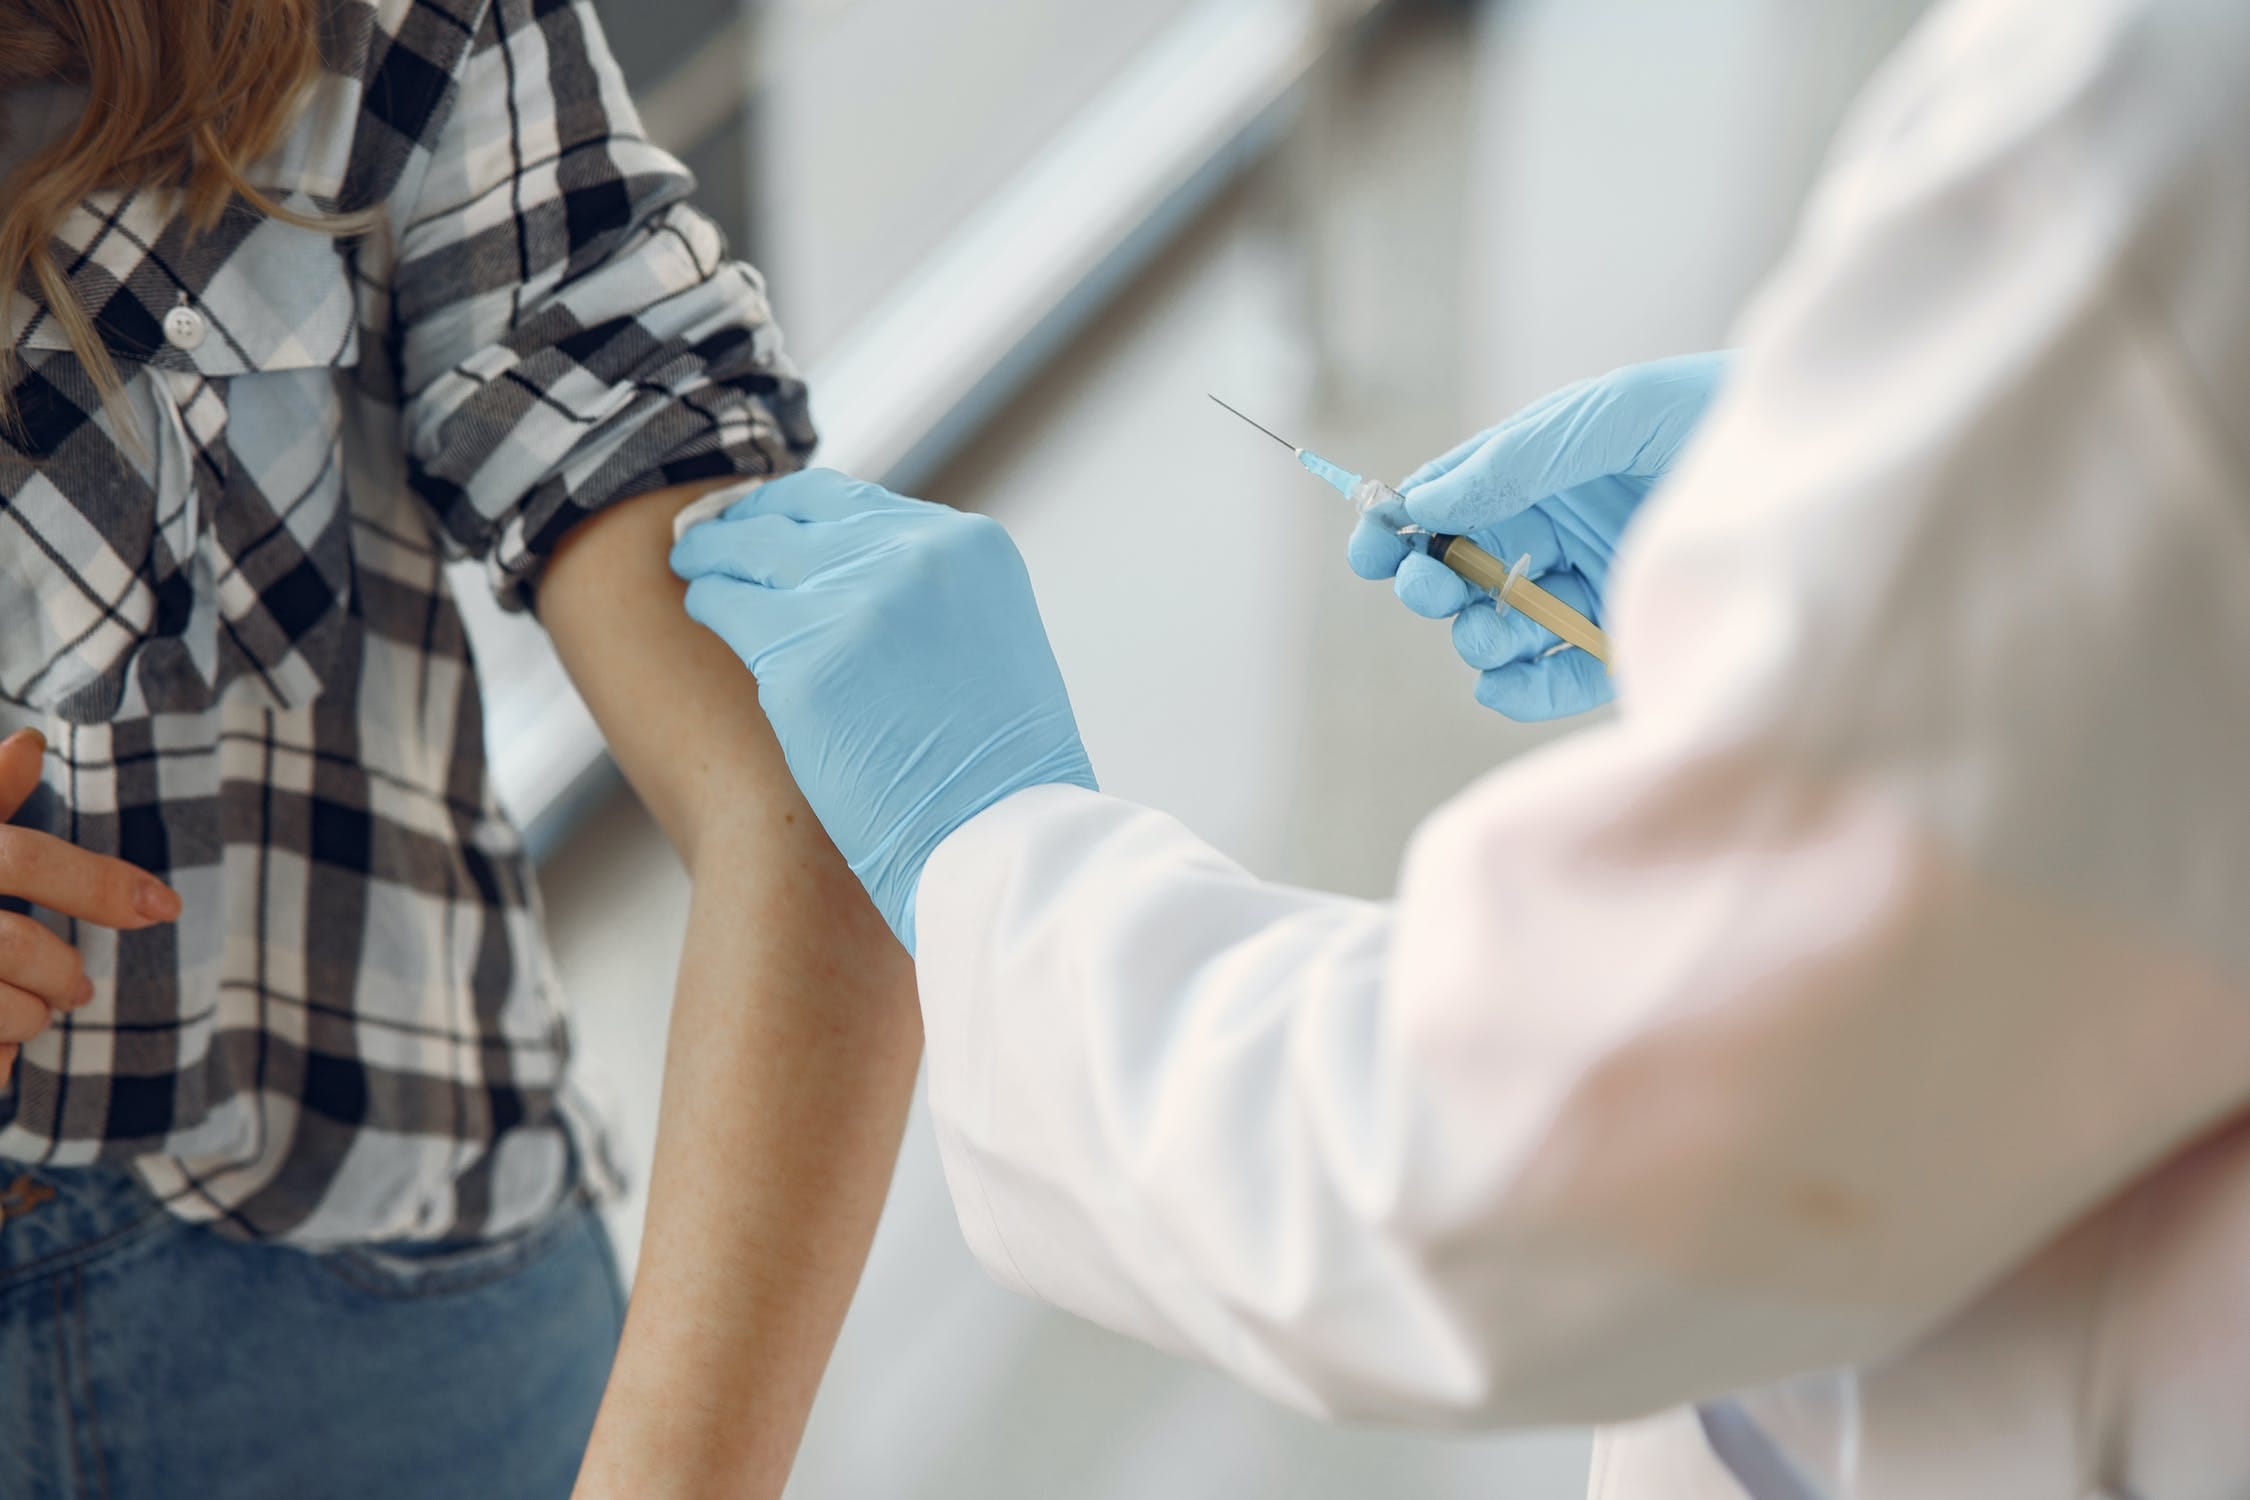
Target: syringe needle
<point>1510,588</point>
<point>1262,427</point>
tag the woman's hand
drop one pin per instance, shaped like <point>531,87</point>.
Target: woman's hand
<point>39,972</point>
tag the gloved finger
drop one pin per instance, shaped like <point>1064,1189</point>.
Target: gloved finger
<point>1486,638</point>
<point>1375,550</point>
<point>760,549</point>
<point>1664,401</point>
<point>819,495</point>
<point>1532,534</point>
<point>750,619</point>
<point>1516,468</point>
<point>1430,588</point>
<point>1632,422</point>
<point>779,552</point>
<point>1446,462</point>
<point>1586,432</point>
<point>1452,458</point>
<point>1549,687</point>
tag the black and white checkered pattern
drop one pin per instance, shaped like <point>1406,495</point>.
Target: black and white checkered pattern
<point>232,620</point>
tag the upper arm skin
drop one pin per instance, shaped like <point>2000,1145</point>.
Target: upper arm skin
<point>795,1035</point>
<point>680,714</point>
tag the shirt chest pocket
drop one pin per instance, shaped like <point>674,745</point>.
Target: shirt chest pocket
<point>193,538</point>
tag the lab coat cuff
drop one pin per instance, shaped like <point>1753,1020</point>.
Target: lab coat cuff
<point>963,889</point>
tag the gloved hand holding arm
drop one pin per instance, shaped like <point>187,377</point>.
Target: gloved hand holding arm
<point>900,657</point>
<point>1559,480</point>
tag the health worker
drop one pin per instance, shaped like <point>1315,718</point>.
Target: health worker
<point>1870,994</point>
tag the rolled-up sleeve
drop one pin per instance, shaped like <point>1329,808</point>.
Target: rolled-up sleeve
<point>569,331</point>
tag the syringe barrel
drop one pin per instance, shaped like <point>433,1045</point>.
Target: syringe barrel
<point>1470,561</point>
<point>1527,598</point>
<point>1373,497</point>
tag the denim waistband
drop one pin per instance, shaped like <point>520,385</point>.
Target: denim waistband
<point>50,1214</point>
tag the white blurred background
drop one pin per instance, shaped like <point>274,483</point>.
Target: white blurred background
<point>1015,242</point>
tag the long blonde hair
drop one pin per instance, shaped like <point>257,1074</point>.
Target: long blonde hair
<point>181,96</point>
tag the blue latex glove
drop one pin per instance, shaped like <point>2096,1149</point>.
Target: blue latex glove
<point>900,658</point>
<point>1559,480</point>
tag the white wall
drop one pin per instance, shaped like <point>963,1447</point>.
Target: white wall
<point>880,125</point>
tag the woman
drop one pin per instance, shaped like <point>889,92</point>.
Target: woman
<point>309,296</point>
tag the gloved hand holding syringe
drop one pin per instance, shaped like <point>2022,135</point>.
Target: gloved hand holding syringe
<point>1511,589</point>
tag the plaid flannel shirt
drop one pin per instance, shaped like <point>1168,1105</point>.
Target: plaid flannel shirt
<point>234,627</point>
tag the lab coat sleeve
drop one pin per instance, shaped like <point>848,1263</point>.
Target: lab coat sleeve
<point>1894,923</point>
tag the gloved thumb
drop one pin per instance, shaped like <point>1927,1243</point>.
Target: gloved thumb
<point>1547,449</point>
<point>1630,422</point>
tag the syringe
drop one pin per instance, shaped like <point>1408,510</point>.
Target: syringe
<point>1509,586</point>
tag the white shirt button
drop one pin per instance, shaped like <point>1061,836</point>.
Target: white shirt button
<point>184,328</point>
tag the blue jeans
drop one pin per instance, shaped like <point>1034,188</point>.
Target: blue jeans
<point>141,1356</point>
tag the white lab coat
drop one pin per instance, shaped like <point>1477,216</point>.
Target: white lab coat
<point>1874,991</point>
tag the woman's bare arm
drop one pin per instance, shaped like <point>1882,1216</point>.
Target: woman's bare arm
<point>795,1037</point>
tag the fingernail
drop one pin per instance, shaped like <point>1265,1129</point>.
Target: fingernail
<point>85,991</point>
<point>156,901</point>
